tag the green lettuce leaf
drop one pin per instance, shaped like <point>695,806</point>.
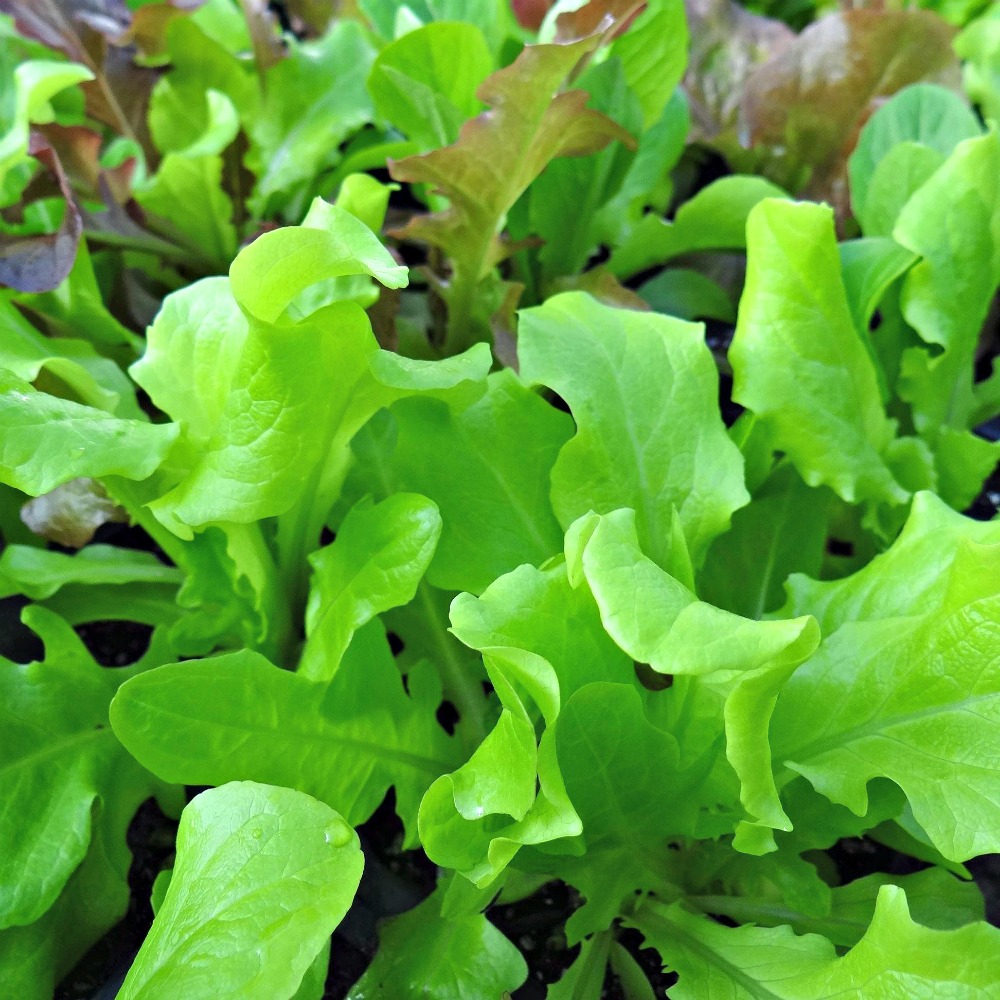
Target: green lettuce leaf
<point>924,114</point>
<point>35,82</point>
<point>659,622</point>
<point>642,389</point>
<point>800,363</point>
<point>61,757</point>
<point>538,611</point>
<point>914,700</point>
<point>263,876</point>
<point>782,531</point>
<point>312,101</point>
<point>375,563</point>
<point>945,298</point>
<point>40,573</point>
<point>510,793</point>
<point>896,957</point>
<point>714,219</point>
<point>90,378</point>
<point>425,82</point>
<point>483,465</point>
<point>912,575</point>
<point>237,717</point>
<point>425,953</point>
<point>48,441</point>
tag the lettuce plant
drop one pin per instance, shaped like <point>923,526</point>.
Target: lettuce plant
<point>574,622</point>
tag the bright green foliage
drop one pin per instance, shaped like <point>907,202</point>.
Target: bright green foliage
<point>345,742</point>
<point>58,705</point>
<point>35,83</point>
<point>69,792</point>
<point>39,573</point>
<point>796,343</point>
<point>425,82</point>
<point>910,577</point>
<point>375,564</point>
<point>46,441</point>
<point>435,496</point>
<point>895,955</point>
<point>427,952</point>
<point>88,376</point>
<point>911,699</point>
<point>649,437</point>
<point>263,875</point>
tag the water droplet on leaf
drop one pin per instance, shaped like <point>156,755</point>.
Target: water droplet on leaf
<point>338,833</point>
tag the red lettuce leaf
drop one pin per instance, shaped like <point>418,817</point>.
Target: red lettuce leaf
<point>40,263</point>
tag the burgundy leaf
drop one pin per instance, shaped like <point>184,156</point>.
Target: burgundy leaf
<point>58,23</point>
<point>810,100</point>
<point>609,17</point>
<point>97,33</point>
<point>41,263</point>
<point>727,44</point>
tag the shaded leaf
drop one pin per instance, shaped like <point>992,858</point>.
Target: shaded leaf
<point>484,465</point>
<point>40,263</point>
<point>312,101</point>
<point>928,115</point>
<point>39,573</point>
<point>424,953</point>
<point>714,219</point>
<point>782,531</point>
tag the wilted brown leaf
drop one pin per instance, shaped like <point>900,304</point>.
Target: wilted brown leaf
<point>71,513</point>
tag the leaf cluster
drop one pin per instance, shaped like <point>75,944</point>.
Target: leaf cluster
<point>493,457</point>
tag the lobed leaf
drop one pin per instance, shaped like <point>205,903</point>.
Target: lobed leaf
<point>642,390</point>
